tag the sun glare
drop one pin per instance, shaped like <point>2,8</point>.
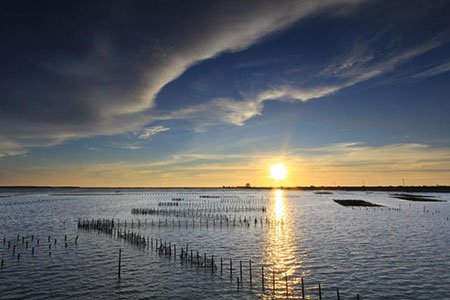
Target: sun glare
<point>278,172</point>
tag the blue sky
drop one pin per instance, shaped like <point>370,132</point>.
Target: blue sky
<point>166,93</point>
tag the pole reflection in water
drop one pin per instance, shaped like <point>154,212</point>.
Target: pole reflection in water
<point>280,250</point>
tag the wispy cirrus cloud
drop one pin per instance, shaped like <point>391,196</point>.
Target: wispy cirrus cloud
<point>106,82</point>
<point>442,68</point>
<point>347,71</point>
<point>147,133</point>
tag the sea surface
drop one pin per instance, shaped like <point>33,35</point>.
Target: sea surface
<point>400,251</point>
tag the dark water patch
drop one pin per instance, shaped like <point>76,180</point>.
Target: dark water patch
<point>356,203</point>
<point>419,198</point>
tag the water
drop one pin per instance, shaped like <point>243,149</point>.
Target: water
<point>379,253</point>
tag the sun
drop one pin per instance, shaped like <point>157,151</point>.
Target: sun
<point>278,172</point>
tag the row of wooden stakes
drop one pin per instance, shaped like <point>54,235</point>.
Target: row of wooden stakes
<point>194,258</point>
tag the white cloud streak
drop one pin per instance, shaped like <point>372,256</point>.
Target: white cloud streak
<point>147,133</point>
<point>445,67</point>
<point>99,106</point>
<point>350,71</point>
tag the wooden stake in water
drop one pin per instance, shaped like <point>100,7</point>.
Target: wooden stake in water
<point>262,278</point>
<point>231,269</point>
<point>273,281</point>
<point>240,268</point>
<point>120,261</point>
<point>337,294</point>
<point>287,290</point>
<point>320,292</point>
<point>250,265</point>
<point>303,290</point>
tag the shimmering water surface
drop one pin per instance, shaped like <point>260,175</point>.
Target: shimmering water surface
<point>398,252</point>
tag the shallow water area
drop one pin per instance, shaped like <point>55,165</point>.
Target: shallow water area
<point>399,251</point>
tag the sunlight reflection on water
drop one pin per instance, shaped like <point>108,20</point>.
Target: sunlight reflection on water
<point>370,251</point>
<point>281,248</point>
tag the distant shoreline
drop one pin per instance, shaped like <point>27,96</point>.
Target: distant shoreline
<point>412,189</point>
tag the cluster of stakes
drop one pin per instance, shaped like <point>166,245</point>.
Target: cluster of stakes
<point>202,219</point>
<point>34,201</point>
<point>270,280</point>
<point>29,245</point>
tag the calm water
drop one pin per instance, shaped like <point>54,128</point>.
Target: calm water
<point>379,253</point>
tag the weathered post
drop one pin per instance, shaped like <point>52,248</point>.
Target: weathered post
<point>287,290</point>
<point>262,278</point>
<point>120,261</point>
<point>250,265</point>
<point>337,294</point>
<point>303,290</point>
<point>240,268</point>
<point>320,292</point>
<point>231,269</point>
<point>273,281</point>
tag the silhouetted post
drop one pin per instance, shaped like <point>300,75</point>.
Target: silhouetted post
<point>231,269</point>
<point>240,268</point>
<point>32,251</point>
<point>18,256</point>
<point>2,263</point>
<point>262,278</point>
<point>303,290</point>
<point>250,265</point>
<point>273,281</point>
<point>337,294</point>
<point>287,290</point>
<point>221,265</point>
<point>120,261</point>
<point>320,292</point>
<point>357,296</point>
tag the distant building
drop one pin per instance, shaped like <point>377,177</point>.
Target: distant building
<point>247,185</point>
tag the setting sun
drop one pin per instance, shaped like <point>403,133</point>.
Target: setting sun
<point>278,171</point>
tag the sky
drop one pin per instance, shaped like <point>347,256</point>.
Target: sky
<point>213,93</point>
